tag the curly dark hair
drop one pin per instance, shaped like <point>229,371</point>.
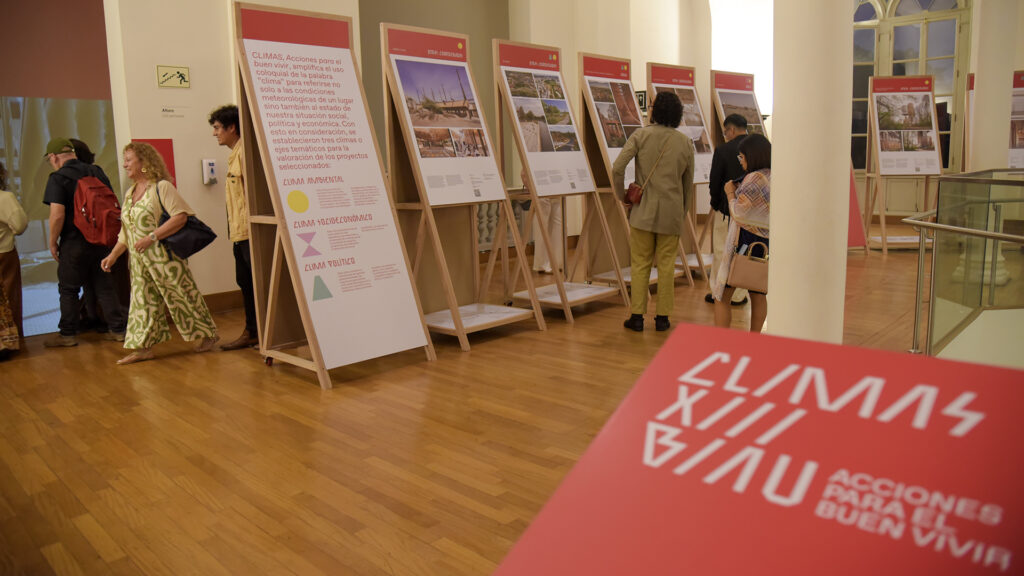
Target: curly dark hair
<point>3,177</point>
<point>667,110</point>
<point>758,152</point>
<point>227,115</point>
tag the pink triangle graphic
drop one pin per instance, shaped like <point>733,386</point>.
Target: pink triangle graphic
<point>310,251</point>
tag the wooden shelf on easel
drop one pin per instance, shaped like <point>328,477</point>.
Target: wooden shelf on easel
<point>475,317</point>
<point>577,293</point>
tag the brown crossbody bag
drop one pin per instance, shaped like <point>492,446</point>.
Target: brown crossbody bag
<point>635,193</point>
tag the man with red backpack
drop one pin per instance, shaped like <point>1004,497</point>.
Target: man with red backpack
<point>84,216</point>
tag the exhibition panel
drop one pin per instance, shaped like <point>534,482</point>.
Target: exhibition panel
<point>337,235</point>
<point>532,91</point>
<point>1016,154</point>
<point>442,158</point>
<point>733,93</point>
<point>902,141</point>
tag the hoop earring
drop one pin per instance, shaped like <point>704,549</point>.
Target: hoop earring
<point>144,170</point>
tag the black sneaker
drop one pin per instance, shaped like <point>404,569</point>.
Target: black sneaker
<point>709,298</point>
<point>740,302</point>
<point>635,323</point>
<point>661,323</point>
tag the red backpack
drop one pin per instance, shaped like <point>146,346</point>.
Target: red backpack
<point>97,211</point>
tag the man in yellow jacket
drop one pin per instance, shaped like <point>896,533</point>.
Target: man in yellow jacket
<point>225,129</point>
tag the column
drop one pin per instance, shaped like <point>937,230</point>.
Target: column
<point>993,82</point>
<point>810,168</point>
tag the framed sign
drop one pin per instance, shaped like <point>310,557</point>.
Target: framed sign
<point>734,94</point>
<point>1016,155</point>
<point>902,113</point>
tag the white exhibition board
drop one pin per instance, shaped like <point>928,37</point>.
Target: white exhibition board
<point>1016,153</point>
<point>905,123</point>
<point>439,103</point>
<point>544,119</point>
<point>322,162</point>
<point>679,79</point>
<point>607,84</point>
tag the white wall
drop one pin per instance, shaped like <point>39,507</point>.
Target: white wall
<point>197,34</point>
<point>742,41</point>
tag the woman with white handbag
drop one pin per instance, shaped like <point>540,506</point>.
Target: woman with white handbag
<point>746,252</point>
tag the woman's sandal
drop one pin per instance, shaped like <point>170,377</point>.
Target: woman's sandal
<point>206,344</point>
<point>138,355</point>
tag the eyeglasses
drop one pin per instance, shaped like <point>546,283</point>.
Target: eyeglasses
<point>740,156</point>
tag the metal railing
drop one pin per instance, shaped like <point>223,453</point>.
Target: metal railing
<point>919,222</point>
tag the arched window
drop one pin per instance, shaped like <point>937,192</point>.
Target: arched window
<point>906,38</point>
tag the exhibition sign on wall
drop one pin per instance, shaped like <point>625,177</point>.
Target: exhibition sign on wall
<point>903,115</point>
<point>734,94</point>
<point>739,453</point>
<point>324,169</point>
<point>439,103</point>
<point>544,119</point>
<point>1017,122</point>
<point>679,79</point>
<point>608,87</point>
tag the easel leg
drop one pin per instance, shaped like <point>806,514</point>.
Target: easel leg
<point>691,227</point>
<point>446,280</point>
<point>498,240</point>
<point>611,246</point>
<point>556,269</point>
<point>521,257</point>
<point>421,232</point>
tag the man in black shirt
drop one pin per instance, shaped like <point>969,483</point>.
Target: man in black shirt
<point>78,261</point>
<point>725,166</point>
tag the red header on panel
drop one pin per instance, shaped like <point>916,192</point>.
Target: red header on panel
<point>1018,79</point>
<point>888,463</point>
<point>294,29</point>
<point>528,57</point>
<point>604,68</point>
<point>165,147</point>
<point>901,84</point>
<point>673,75</point>
<point>424,45</point>
<point>732,81</point>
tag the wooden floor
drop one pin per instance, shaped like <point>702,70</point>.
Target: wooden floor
<point>217,464</point>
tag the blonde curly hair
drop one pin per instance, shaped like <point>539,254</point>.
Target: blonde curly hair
<point>152,162</point>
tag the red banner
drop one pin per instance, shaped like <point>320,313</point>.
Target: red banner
<point>970,81</point>
<point>1018,79</point>
<point>880,84</point>
<point>294,28</point>
<point>424,45</point>
<point>519,56</point>
<point>673,75</point>
<point>605,68</point>
<point>165,146</point>
<point>855,230</point>
<point>734,81</point>
<point>738,453</point>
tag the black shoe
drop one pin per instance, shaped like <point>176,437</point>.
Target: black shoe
<point>741,302</point>
<point>661,323</point>
<point>709,298</point>
<point>635,323</point>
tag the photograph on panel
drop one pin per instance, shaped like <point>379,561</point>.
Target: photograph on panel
<point>438,94</point>
<point>741,103</point>
<point>903,111</point>
<point>557,112</point>
<point>565,138</point>
<point>533,125</point>
<point>625,102</point>
<point>891,140</point>
<point>469,142</point>
<point>521,84</point>
<point>611,126</point>
<point>918,140</point>
<point>1017,133</point>
<point>434,143</point>
<point>549,86</point>
<point>601,91</point>
<point>691,112</point>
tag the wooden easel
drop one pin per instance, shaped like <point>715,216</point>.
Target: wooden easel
<point>411,198</point>
<point>601,168</point>
<point>876,184</point>
<point>561,293</point>
<point>287,332</point>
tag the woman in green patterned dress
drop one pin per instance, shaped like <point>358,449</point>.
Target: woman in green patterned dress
<point>160,279</point>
